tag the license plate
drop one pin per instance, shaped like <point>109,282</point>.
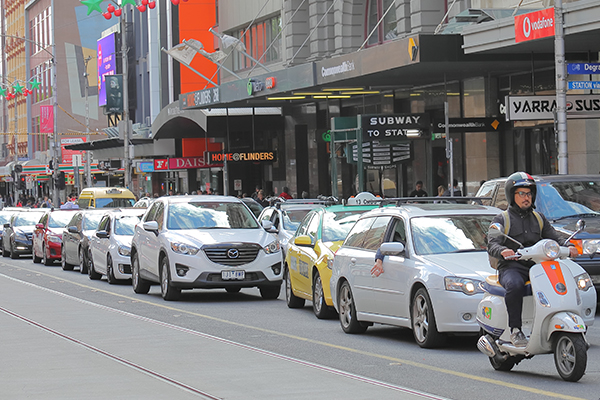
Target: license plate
<point>595,278</point>
<point>233,275</point>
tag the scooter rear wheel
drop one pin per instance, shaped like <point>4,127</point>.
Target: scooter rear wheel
<point>570,355</point>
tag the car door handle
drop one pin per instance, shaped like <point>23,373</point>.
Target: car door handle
<point>353,260</point>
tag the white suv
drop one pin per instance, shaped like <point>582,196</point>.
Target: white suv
<point>188,242</point>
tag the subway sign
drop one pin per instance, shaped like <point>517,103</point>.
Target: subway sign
<point>394,126</point>
<point>253,156</point>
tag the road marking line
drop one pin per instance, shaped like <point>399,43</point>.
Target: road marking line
<point>330,345</point>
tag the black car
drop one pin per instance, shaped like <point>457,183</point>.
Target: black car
<point>76,239</point>
<point>563,199</point>
<point>18,232</point>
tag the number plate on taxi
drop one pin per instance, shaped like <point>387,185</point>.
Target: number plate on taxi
<point>233,275</point>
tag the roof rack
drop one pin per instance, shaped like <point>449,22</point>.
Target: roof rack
<point>443,200</point>
<point>323,200</point>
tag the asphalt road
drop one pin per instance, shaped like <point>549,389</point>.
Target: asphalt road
<point>248,348</point>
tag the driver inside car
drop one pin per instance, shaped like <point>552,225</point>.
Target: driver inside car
<point>399,236</point>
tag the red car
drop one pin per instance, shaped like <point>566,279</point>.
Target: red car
<point>47,236</point>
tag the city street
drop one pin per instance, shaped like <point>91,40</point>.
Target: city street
<point>65,336</point>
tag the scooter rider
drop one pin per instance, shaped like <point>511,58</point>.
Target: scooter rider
<point>527,227</point>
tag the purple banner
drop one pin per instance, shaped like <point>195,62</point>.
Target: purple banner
<point>107,64</point>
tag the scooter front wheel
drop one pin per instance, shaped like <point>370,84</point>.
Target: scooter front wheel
<point>570,355</point>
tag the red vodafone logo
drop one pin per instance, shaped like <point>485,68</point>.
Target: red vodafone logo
<point>535,25</point>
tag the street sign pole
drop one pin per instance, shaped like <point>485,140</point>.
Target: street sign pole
<point>561,89</point>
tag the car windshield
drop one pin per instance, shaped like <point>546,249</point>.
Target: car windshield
<point>336,225</point>
<point>210,215</point>
<point>292,219</point>
<point>114,203</point>
<point>59,219</point>
<point>558,200</point>
<point>450,234</point>
<point>26,218</point>
<point>126,225</point>
<point>91,221</point>
<point>4,218</point>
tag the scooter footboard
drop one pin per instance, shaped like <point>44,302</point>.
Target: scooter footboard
<point>566,322</point>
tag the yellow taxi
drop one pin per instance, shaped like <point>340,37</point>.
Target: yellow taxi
<point>310,253</point>
<point>105,197</point>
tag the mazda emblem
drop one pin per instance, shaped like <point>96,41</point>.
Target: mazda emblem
<point>233,253</point>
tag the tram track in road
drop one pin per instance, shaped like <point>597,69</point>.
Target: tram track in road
<point>388,358</point>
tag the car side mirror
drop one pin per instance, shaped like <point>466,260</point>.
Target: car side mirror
<point>102,234</point>
<point>151,226</point>
<point>303,240</point>
<point>39,226</point>
<point>266,224</point>
<point>391,248</point>
<point>72,229</point>
<point>7,225</point>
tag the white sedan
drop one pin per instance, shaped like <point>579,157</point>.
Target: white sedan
<point>187,242</point>
<point>110,245</point>
<point>435,258</point>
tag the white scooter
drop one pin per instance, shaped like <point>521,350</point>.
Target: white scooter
<point>552,314</point>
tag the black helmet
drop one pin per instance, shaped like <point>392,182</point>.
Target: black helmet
<point>519,180</point>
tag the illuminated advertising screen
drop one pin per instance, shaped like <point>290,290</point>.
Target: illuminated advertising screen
<point>107,64</point>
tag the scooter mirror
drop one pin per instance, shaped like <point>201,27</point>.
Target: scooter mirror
<point>580,225</point>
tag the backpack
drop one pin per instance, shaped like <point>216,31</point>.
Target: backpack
<point>493,260</point>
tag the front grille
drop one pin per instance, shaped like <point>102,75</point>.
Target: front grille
<point>29,236</point>
<point>249,277</point>
<point>233,254</point>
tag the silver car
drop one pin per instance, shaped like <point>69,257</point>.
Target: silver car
<point>435,258</point>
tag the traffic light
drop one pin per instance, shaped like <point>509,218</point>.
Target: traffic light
<point>22,182</point>
<point>60,180</point>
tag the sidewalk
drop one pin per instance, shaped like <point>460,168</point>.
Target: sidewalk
<point>57,347</point>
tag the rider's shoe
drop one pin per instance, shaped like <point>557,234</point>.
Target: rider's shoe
<point>518,338</point>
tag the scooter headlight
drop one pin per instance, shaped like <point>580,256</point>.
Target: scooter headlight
<point>551,249</point>
<point>584,282</point>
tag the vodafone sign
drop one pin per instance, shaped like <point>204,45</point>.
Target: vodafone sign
<point>534,25</point>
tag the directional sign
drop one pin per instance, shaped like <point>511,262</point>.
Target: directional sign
<point>583,68</point>
<point>584,85</point>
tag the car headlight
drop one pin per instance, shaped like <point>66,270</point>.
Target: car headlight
<point>584,282</point>
<point>330,263</point>
<point>551,249</point>
<point>124,250</point>
<point>465,285</point>
<point>589,246</point>
<point>272,247</point>
<point>184,248</point>
<point>54,238</point>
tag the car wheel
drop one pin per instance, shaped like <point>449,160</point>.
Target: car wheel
<point>83,262</point>
<point>167,290</point>
<point>423,321</point>
<point>92,274</point>
<point>348,320</point>
<point>45,258</point>
<point>140,285</point>
<point>233,289</point>
<point>36,259</point>
<point>110,274</point>
<point>5,253</point>
<point>270,292</point>
<point>13,254</point>
<point>320,308</point>
<point>63,261</point>
<point>292,300</point>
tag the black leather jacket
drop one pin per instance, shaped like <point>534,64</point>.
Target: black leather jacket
<point>525,228</point>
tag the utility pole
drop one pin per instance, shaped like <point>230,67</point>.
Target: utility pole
<point>126,159</point>
<point>16,191</point>
<point>87,158</point>
<point>561,89</point>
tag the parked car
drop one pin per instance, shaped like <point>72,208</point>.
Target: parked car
<point>563,199</point>
<point>187,242</point>
<point>144,202</point>
<point>18,232</point>
<point>110,246</point>
<point>76,237</point>
<point>287,216</point>
<point>105,197</point>
<point>435,258</point>
<point>253,206</point>
<point>307,267</point>
<point>47,236</point>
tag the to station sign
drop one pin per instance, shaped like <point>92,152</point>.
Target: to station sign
<point>392,127</point>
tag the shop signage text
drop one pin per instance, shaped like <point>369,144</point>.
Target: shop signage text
<point>239,157</point>
<point>523,108</point>
<point>534,25</point>
<point>468,125</point>
<point>161,164</point>
<point>381,127</point>
<point>346,66</point>
<point>583,68</point>
<point>146,166</point>
<point>200,98</point>
<point>189,162</point>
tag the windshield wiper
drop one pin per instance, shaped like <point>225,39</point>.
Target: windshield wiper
<point>582,215</point>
